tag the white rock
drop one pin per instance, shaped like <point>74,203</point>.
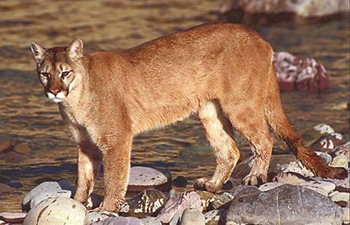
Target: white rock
<point>191,217</point>
<point>346,215</point>
<point>269,185</point>
<point>324,128</point>
<point>96,217</point>
<point>297,167</point>
<point>2,222</point>
<point>290,178</point>
<point>44,195</point>
<point>213,215</point>
<point>142,178</point>
<point>340,161</point>
<point>340,196</point>
<point>58,211</point>
<point>151,221</point>
<point>322,187</point>
<point>326,157</point>
<point>46,187</point>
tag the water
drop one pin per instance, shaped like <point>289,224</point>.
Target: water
<point>26,116</point>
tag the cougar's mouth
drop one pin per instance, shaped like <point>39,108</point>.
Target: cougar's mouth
<point>57,98</point>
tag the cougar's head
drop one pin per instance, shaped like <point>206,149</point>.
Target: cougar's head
<point>59,68</point>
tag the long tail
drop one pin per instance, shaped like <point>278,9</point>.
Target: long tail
<point>279,122</point>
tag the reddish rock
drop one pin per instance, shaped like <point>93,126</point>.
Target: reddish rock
<point>12,217</point>
<point>5,145</point>
<point>4,188</point>
<point>13,157</point>
<point>22,148</point>
<point>300,73</point>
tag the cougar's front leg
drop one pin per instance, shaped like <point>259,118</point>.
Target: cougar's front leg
<point>89,163</point>
<point>116,160</point>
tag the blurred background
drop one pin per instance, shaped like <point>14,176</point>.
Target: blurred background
<point>46,151</point>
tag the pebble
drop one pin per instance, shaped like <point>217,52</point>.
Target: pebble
<point>322,187</point>
<point>142,178</point>
<point>146,203</point>
<point>221,200</point>
<point>180,181</point>
<point>327,142</point>
<point>46,187</point>
<point>4,188</point>
<point>5,145</point>
<point>337,196</point>
<point>340,161</point>
<point>206,197</point>
<point>44,195</point>
<point>178,203</point>
<point>120,221</point>
<point>346,215</point>
<point>13,157</point>
<point>191,217</point>
<point>324,128</point>
<point>324,156</point>
<point>12,217</point>
<point>297,167</point>
<point>269,186</point>
<point>212,216</point>
<point>281,205</point>
<point>151,221</point>
<point>96,217</point>
<point>289,178</point>
<point>22,148</point>
<point>57,210</point>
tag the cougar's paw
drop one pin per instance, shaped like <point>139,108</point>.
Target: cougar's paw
<point>254,180</point>
<point>115,206</point>
<point>206,185</point>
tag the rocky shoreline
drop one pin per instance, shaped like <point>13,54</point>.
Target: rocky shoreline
<point>292,196</point>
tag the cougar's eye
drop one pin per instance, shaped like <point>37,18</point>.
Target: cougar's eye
<point>45,75</point>
<point>65,74</point>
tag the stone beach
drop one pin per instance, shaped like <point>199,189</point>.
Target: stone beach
<point>292,196</point>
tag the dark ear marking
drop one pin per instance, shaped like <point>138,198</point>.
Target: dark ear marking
<point>75,49</point>
<point>38,51</point>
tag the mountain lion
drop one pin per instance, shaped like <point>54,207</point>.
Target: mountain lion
<point>223,72</point>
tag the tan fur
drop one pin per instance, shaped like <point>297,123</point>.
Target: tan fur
<point>222,71</point>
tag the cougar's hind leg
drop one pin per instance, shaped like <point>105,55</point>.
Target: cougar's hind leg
<point>252,124</point>
<point>219,133</point>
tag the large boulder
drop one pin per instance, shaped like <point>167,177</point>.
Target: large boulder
<point>286,204</point>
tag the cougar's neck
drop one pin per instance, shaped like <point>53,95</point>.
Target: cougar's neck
<point>80,90</point>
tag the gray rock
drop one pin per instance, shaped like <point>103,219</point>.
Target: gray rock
<point>96,217</point>
<point>151,221</point>
<point>46,187</point>
<point>12,217</point>
<point>44,195</point>
<point>212,216</point>
<point>57,210</point>
<point>175,220</point>
<point>322,187</point>
<point>192,216</point>
<point>120,221</point>
<point>286,204</point>
<point>142,178</point>
<point>290,178</point>
<point>269,186</point>
<point>179,203</point>
<point>325,157</point>
<point>297,167</point>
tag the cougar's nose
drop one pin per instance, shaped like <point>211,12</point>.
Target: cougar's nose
<point>55,91</point>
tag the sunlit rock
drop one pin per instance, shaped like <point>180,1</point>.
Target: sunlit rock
<point>57,210</point>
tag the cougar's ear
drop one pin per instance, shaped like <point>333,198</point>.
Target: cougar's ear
<point>38,51</point>
<point>75,49</point>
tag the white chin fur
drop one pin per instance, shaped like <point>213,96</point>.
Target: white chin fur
<point>58,98</point>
